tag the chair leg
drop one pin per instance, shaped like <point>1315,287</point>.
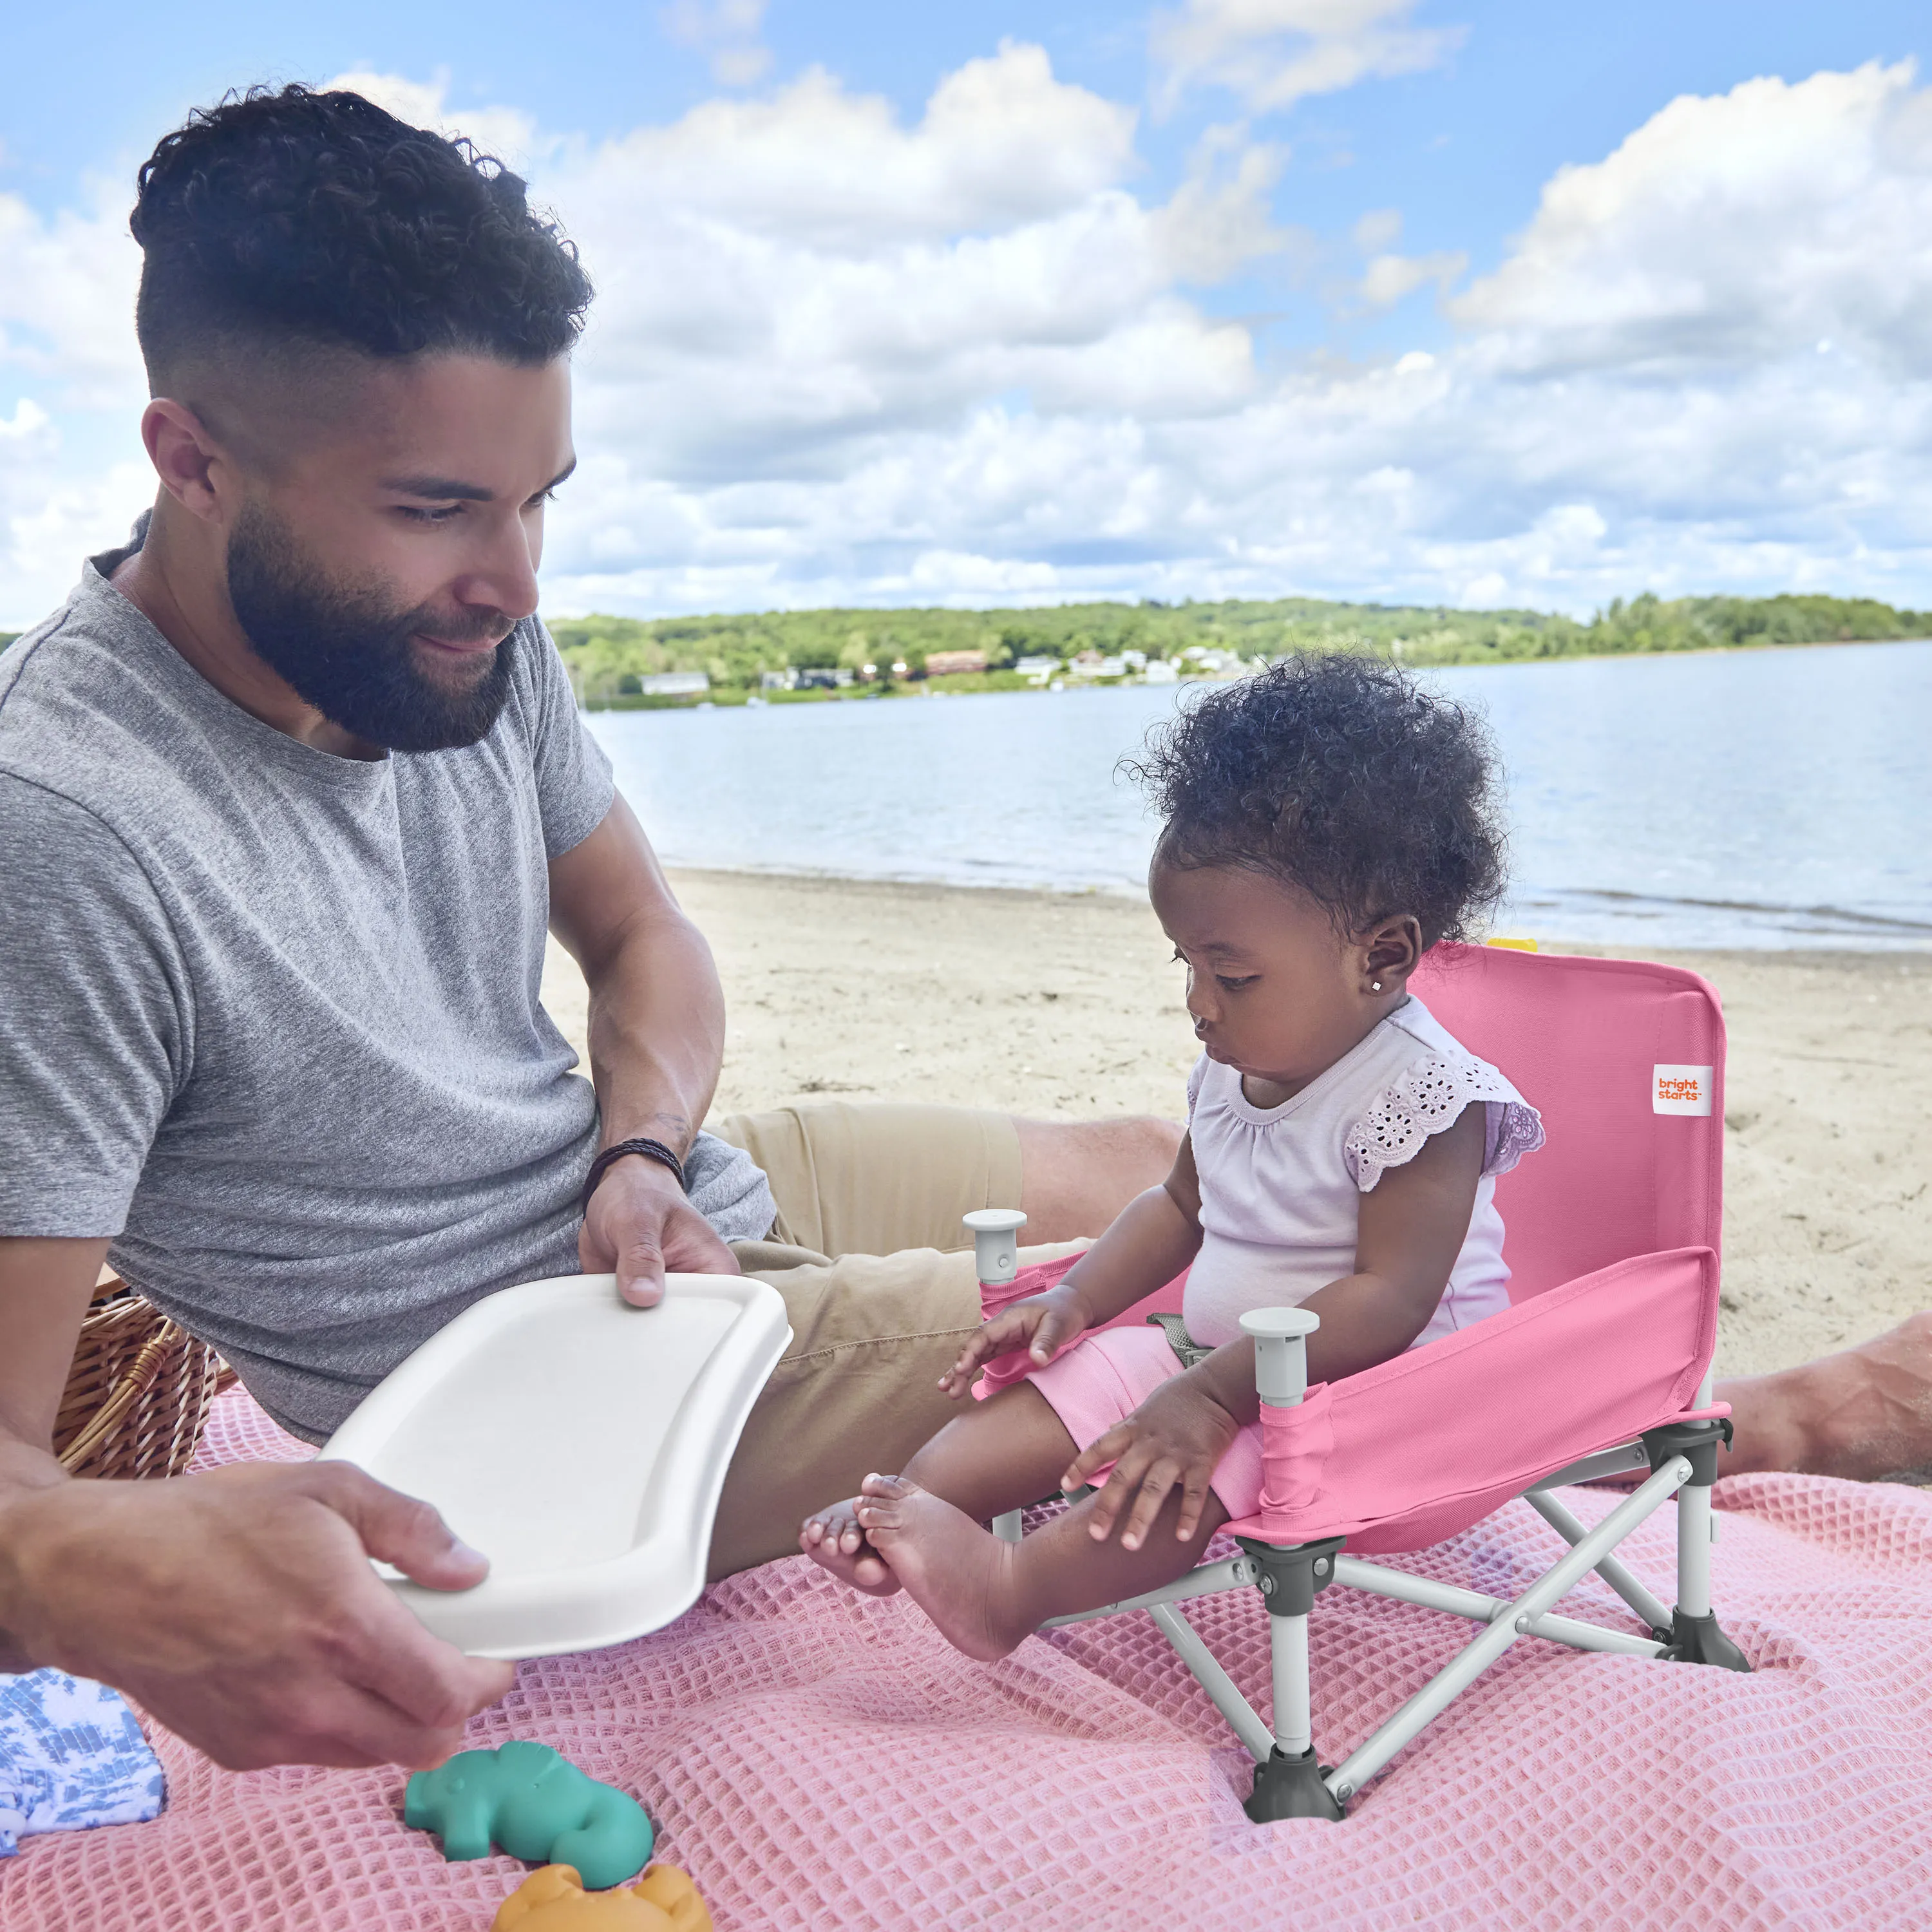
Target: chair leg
<point>1289,1781</point>
<point>1694,1636</point>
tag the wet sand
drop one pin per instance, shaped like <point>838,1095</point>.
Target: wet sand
<point>1067,1006</point>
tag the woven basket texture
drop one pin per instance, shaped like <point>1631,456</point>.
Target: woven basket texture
<point>138,1393</point>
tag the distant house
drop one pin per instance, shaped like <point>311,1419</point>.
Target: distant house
<point>1159,670</point>
<point>946,664</point>
<point>1038,669</point>
<point>675,684</point>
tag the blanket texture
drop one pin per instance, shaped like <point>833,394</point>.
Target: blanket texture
<point>818,1759</point>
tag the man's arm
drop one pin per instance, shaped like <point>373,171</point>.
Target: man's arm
<point>657,1040</point>
<point>238,1606</point>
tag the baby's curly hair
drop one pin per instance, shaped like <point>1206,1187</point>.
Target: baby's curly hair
<point>1341,776</point>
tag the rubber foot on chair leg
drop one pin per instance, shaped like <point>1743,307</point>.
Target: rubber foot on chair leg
<point>1698,1640</point>
<point>1290,1787</point>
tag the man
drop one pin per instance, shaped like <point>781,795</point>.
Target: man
<point>289,791</point>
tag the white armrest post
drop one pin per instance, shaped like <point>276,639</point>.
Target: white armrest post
<point>996,1248</point>
<point>1280,1336</point>
<point>996,1255</point>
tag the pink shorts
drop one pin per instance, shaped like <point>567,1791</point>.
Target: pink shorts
<point>1106,1375</point>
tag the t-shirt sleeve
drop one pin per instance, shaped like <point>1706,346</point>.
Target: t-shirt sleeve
<point>1429,1096</point>
<point>96,1018</point>
<point>574,786</point>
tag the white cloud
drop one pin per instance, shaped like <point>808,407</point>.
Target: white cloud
<point>1275,53</point>
<point>1390,278</point>
<point>1731,231</point>
<point>840,354</point>
<point>1381,228</point>
<point>728,32</point>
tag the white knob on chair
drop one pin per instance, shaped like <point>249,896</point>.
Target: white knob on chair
<point>1281,1356</point>
<point>996,1248</point>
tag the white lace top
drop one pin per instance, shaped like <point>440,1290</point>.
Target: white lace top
<point>1279,1185</point>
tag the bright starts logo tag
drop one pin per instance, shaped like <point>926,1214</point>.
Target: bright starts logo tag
<point>1680,1090</point>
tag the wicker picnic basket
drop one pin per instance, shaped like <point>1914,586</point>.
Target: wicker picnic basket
<point>138,1393</point>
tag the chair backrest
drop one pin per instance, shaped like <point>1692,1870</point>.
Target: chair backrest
<point>1625,1062</point>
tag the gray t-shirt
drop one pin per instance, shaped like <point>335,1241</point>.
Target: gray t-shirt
<point>270,1017</point>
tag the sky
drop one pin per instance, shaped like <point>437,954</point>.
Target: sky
<point>1405,301</point>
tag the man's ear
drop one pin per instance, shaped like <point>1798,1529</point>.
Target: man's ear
<point>193,468</point>
<point>1391,950</point>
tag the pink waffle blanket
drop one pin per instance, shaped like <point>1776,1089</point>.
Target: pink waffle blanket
<point>815,1758</point>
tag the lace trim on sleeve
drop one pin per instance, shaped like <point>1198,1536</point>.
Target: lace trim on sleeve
<point>1429,1097</point>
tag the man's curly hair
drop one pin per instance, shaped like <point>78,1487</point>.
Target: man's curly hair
<point>293,218</point>
<point>1342,777</point>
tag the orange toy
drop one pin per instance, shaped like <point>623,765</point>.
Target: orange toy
<point>554,1899</point>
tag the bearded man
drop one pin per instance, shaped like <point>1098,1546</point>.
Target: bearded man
<point>290,790</point>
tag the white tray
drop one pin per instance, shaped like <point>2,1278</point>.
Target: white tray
<point>581,1443</point>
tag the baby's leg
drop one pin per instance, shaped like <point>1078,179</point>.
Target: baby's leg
<point>985,1595</point>
<point>1001,1454</point>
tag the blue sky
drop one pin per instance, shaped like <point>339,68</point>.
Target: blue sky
<point>1236,297</point>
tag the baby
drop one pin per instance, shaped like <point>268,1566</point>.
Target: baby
<point>1326,823</point>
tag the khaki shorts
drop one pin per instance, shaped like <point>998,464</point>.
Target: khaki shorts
<point>877,1277</point>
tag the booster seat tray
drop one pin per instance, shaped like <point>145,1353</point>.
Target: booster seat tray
<point>581,1443</point>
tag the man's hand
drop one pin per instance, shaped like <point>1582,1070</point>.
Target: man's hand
<point>1041,1325</point>
<point>239,1607</point>
<point>639,1225</point>
<point>1175,1437</point>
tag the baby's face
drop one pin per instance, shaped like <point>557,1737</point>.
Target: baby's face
<point>1276,991</point>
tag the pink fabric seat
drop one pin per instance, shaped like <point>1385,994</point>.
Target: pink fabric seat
<point>1612,1241</point>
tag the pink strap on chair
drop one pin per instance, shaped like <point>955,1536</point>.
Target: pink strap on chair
<point>1418,1448</point>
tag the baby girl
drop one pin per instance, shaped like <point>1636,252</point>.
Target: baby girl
<point>1326,823</point>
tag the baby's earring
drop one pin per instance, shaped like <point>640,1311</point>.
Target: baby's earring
<point>1375,986</point>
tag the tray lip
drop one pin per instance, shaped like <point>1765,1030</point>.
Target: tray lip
<point>695,1466</point>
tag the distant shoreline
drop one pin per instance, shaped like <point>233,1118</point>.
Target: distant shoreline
<point>981,684</point>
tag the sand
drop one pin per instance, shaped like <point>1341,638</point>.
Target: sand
<point>1067,1006</point>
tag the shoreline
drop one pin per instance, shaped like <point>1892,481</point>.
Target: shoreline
<point>972,684</point>
<point>1904,936</point>
<point>1065,1006</point>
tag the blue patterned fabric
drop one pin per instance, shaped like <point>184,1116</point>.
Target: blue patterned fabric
<point>71,1756</point>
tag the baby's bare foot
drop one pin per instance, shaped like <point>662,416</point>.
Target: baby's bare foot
<point>834,1539</point>
<point>961,1577</point>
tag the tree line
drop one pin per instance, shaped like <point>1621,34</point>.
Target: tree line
<point>609,657</point>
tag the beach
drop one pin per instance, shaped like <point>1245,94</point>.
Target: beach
<point>1067,1005</point>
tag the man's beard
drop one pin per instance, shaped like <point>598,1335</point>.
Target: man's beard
<point>349,652</point>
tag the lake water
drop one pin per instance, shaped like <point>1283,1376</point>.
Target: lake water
<point>1764,798</point>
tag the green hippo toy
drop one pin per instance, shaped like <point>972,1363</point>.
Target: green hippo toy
<point>536,1805</point>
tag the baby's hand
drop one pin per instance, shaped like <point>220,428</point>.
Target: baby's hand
<point>1175,1437</point>
<point>1040,1324</point>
